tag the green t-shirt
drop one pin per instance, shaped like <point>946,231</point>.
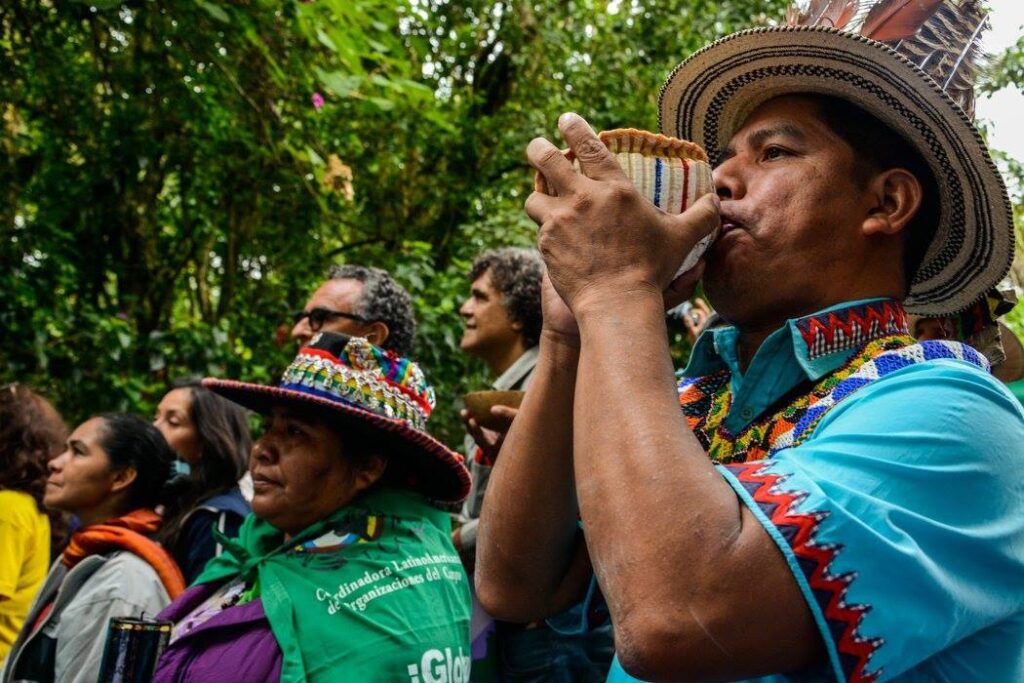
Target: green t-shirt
<point>377,588</point>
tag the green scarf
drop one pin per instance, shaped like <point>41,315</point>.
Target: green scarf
<point>376,589</point>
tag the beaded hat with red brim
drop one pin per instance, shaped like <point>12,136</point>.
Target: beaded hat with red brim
<point>348,381</point>
<point>910,64</point>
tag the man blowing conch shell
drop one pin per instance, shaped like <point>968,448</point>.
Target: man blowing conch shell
<point>817,496</point>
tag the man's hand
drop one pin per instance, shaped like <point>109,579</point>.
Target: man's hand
<point>489,440</point>
<point>696,319</point>
<point>599,235</point>
<point>558,319</point>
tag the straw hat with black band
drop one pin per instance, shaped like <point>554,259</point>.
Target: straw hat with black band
<point>919,82</point>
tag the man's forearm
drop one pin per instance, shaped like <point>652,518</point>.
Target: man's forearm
<point>651,502</point>
<point>528,526</point>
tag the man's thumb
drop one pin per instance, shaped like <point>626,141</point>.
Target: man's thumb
<point>702,218</point>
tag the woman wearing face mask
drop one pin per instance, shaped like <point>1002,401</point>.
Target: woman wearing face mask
<point>211,436</point>
<point>111,475</point>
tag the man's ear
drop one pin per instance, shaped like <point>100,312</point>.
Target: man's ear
<point>123,479</point>
<point>377,333</point>
<point>896,197</point>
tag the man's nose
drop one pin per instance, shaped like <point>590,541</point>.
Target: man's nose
<point>466,309</point>
<point>302,331</point>
<point>728,183</point>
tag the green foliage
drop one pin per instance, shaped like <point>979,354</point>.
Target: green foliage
<point>171,191</point>
<point>1006,70</point>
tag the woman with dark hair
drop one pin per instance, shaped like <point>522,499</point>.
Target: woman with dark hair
<point>31,431</point>
<point>111,475</point>
<point>211,435</point>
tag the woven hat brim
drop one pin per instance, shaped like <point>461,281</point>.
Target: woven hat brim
<point>439,472</point>
<point>708,97</point>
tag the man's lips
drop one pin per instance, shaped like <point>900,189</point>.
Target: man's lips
<point>53,483</point>
<point>731,223</point>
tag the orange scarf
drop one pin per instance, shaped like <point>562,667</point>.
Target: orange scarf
<point>127,533</point>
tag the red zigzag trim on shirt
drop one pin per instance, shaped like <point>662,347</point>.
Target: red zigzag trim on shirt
<point>851,327</point>
<point>799,529</point>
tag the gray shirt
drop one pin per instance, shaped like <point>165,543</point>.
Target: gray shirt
<point>515,378</point>
<point>84,600</point>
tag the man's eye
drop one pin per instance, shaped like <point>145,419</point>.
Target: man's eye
<point>774,153</point>
<point>292,430</point>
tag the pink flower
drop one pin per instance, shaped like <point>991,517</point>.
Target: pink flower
<point>318,101</point>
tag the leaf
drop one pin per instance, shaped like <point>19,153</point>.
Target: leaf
<point>99,4</point>
<point>326,40</point>
<point>215,11</point>
<point>340,84</point>
<point>381,103</point>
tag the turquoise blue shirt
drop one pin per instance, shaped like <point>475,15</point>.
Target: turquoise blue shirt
<point>903,512</point>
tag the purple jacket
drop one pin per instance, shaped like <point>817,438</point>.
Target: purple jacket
<point>235,645</point>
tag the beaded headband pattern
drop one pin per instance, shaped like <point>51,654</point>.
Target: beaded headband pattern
<point>364,376</point>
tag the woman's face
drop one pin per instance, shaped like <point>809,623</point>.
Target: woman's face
<point>300,474</point>
<point>81,479</point>
<point>173,419</point>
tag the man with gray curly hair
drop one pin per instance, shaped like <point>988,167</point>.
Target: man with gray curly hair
<point>360,301</point>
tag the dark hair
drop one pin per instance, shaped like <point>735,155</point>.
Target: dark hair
<point>130,441</point>
<point>877,147</point>
<point>516,272</point>
<point>31,432</point>
<point>383,300</point>
<point>361,445</point>
<point>222,428</point>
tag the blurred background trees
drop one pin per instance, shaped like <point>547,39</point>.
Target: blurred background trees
<point>177,176</point>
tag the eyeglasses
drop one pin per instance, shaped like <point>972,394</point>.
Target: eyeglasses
<point>318,316</point>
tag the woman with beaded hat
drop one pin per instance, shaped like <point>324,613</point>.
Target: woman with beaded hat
<point>346,567</point>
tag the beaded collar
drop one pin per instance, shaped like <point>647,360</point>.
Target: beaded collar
<point>807,358</point>
<point>706,401</point>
